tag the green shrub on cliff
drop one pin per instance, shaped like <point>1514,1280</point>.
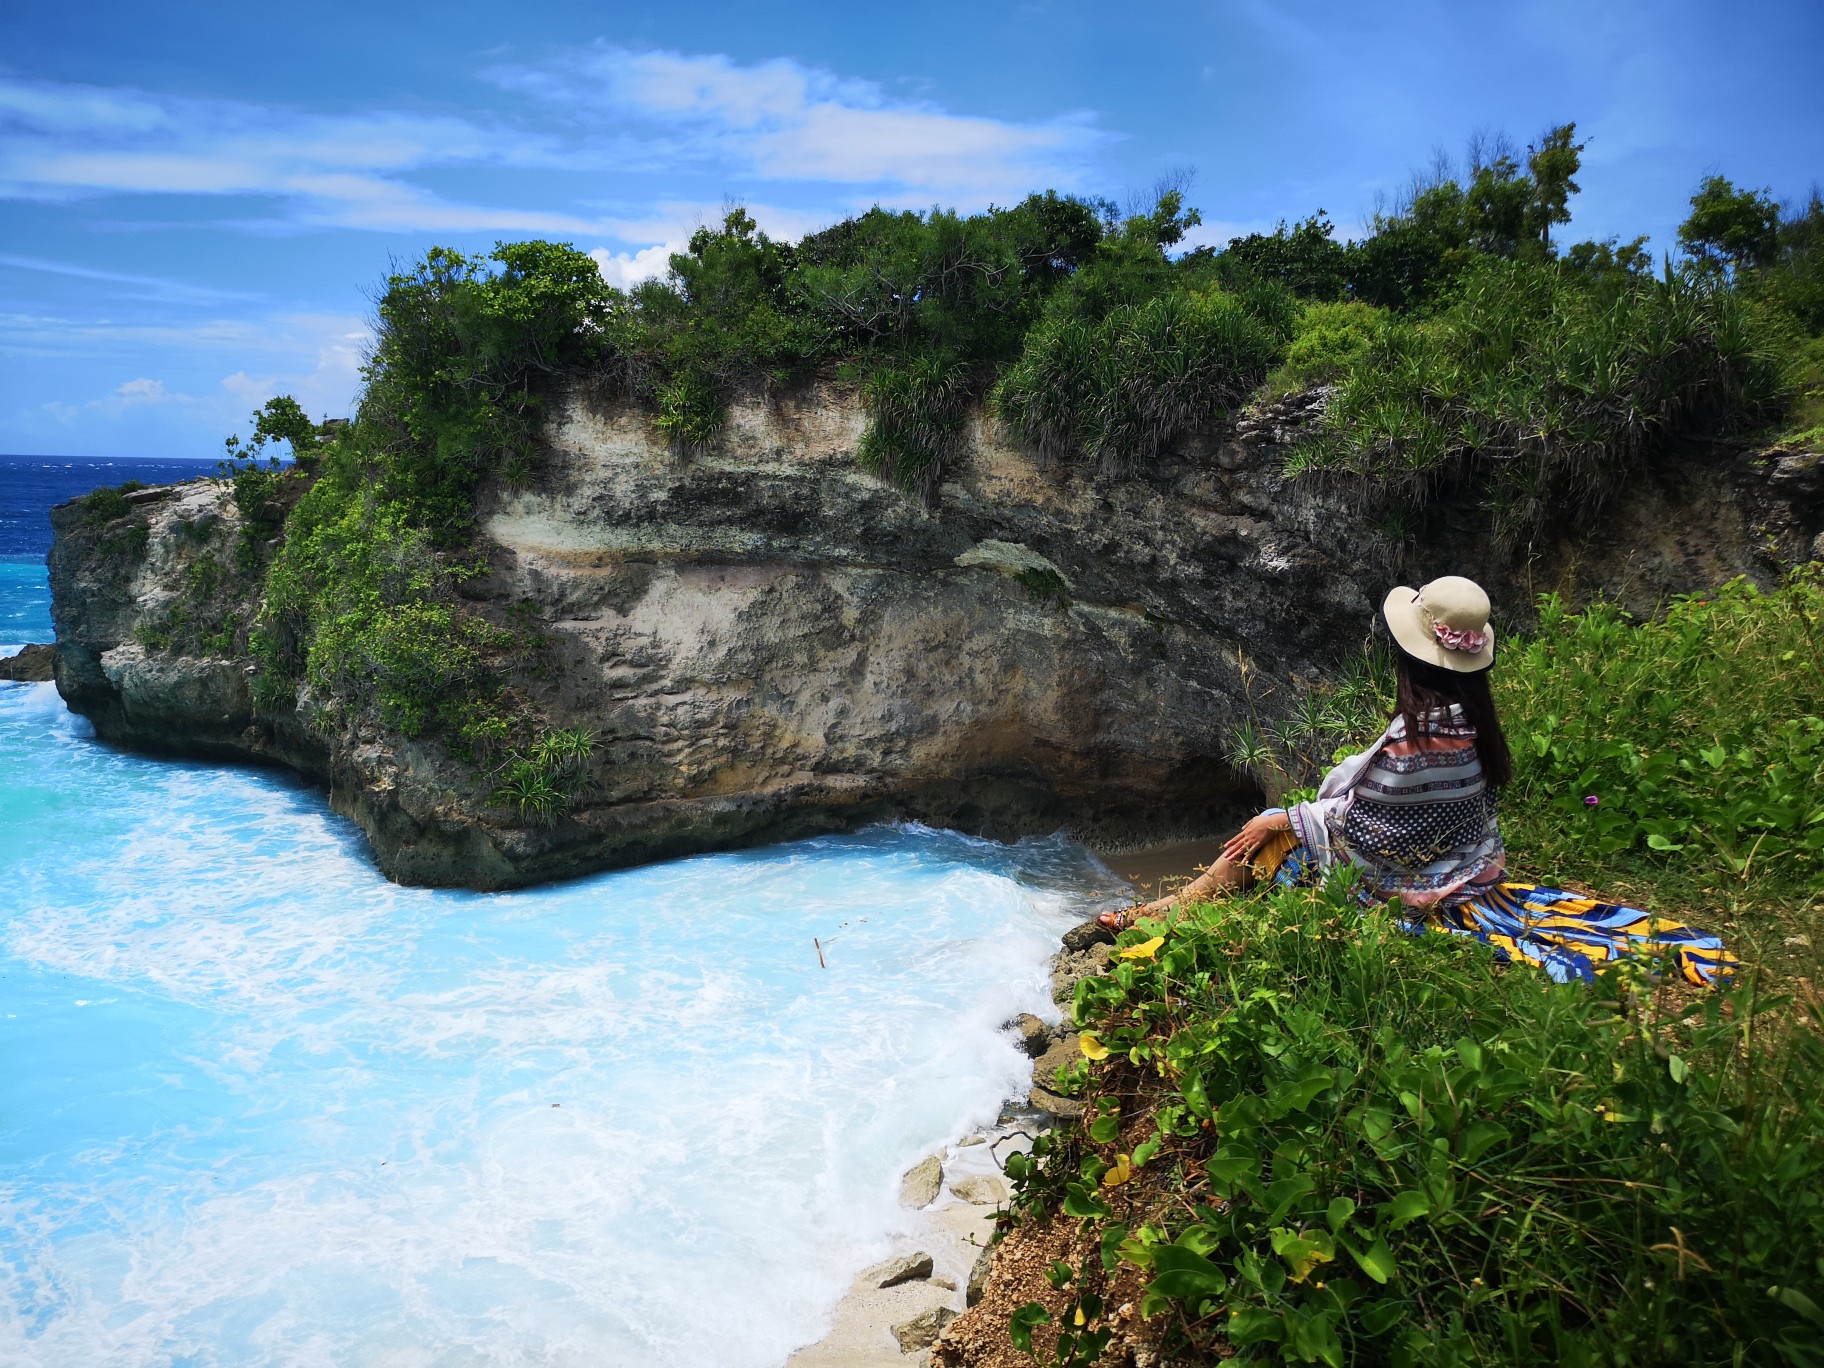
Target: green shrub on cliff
<point>538,781</point>
<point>463,355</point>
<point>360,601</point>
<point>356,605</point>
<point>916,407</point>
<point>1540,393</point>
<point>103,506</point>
<point>689,413</point>
<point>921,307</point>
<point>1327,341</point>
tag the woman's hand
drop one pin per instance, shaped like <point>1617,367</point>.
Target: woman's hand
<point>1242,845</point>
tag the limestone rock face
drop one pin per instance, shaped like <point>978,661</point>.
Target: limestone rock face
<point>769,643</point>
<point>109,586</point>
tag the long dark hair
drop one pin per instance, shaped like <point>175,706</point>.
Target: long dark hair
<point>1423,688</point>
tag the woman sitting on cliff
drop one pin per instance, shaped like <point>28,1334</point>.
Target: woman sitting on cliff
<point>1415,814</point>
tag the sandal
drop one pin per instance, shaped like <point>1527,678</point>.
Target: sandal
<point>1122,920</point>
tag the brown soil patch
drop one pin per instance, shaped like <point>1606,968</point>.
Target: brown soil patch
<point>978,1338</point>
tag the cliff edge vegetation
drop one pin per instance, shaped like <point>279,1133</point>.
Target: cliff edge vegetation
<point>596,576</point>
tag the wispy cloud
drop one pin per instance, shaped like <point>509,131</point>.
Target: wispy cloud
<point>612,110</point>
<point>781,120</point>
<point>140,286</point>
<point>314,357</point>
<point>61,141</point>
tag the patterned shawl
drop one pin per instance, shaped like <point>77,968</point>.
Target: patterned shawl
<point>1417,819</point>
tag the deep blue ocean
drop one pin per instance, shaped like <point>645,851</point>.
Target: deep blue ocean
<point>260,1107</point>
<point>29,486</point>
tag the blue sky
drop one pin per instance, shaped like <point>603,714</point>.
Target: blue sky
<point>197,201</point>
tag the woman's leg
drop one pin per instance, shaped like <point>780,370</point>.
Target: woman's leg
<point>1220,879</point>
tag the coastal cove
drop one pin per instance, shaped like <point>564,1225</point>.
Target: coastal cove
<point>267,1107</point>
<point>566,864</point>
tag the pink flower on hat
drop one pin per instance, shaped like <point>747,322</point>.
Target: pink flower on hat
<point>1459,639</point>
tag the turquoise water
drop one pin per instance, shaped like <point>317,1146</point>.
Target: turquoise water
<point>25,602</point>
<point>262,1107</point>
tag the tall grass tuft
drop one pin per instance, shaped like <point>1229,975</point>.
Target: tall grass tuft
<point>916,409</point>
<point>1116,391</point>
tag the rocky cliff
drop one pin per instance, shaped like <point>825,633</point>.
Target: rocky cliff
<point>767,642</point>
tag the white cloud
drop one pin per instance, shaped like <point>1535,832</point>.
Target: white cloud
<point>785,121</point>
<point>145,392</point>
<point>650,112</point>
<point>624,270</point>
<point>315,358</point>
<point>60,141</point>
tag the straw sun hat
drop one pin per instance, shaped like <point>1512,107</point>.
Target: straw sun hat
<point>1443,623</point>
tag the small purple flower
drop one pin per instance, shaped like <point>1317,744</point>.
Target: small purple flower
<point>1591,800</point>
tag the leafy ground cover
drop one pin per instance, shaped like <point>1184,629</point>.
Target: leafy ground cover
<point>1316,1138</point>
<point>1321,1139</point>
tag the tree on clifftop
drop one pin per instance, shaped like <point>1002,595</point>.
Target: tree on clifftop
<point>1553,161</point>
<point>1730,227</point>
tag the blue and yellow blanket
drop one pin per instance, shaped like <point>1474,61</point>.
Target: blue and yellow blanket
<point>1568,935</point>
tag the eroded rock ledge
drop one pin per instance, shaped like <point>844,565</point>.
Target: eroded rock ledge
<point>769,643</point>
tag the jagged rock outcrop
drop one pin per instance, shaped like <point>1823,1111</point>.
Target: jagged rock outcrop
<point>768,642</point>
<point>34,664</point>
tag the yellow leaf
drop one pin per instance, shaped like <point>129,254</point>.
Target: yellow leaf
<point>1306,1261</point>
<point>1304,1251</point>
<point>1119,1172</point>
<point>1144,950</point>
<point>1091,1047</point>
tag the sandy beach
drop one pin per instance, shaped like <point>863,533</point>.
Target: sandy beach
<point>952,1230</point>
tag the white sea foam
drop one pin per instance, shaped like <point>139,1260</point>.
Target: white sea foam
<point>304,1116</point>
